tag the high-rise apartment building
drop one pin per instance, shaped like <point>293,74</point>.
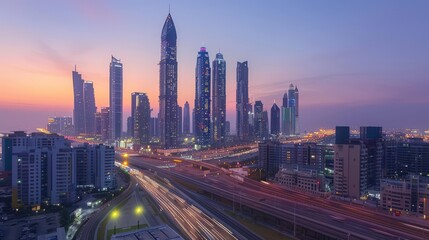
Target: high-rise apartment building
<point>373,139</point>
<point>43,169</point>
<point>404,157</point>
<point>350,165</point>
<point>104,167</point>
<point>141,118</point>
<point>242,101</point>
<point>219,99</point>
<point>168,85</point>
<point>116,98</point>
<point>202,100</point>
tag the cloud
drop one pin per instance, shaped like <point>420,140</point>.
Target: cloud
<point>54,57</point>
<point>95,11</point>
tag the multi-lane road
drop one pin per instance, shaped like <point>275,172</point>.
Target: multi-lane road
<point>89,229</point>
<point>194,223</point>
<point>321,215</point>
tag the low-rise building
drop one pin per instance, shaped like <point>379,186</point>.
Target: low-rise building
<point>161,232</point>
<point>306,180</point>
<point>409,194</point>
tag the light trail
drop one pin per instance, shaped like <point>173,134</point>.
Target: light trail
<point>193,222</point>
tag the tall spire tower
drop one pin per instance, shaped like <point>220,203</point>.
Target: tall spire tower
<point>168,85</point>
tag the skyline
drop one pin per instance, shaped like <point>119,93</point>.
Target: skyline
<point>383,57</point>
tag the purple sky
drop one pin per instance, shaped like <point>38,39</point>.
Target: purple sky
<point>355,63</point>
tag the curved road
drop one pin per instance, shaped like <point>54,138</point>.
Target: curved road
<point>89,230</point>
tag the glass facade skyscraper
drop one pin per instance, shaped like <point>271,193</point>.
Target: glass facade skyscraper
<point>79,109</point>
<point>219,99</point>
<point>242,100</point>
<point>89,107</point>
<point>275,119</point>
<point>186,119</point>
<point>116,98</point>
<point>258,120</point>
<point>168,85</point>
<point>84,105</point>
<point>141,118</point>
<point>202,99</point>
<point>289,112</point>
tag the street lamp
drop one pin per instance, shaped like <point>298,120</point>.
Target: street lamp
<point>114,216</point>
<point>138,211</point>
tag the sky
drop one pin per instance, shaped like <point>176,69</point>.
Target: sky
<point>355,63</point>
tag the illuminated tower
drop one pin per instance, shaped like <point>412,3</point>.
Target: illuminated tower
<point>275,119</point>
<point>115,97</point>
<point>79,110</point>
<point>219,99</point>
<point>168,85</point>
<point>202,99</point>
<point>242,101</point>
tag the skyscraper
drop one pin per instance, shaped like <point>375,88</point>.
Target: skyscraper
<point>292,107</point>
<point>115,96</point>
<point>79,109</point>
<point>89,107</point>
<point>130,128</point>
<point>219,99</point>
<point>179,121</point>
<point>242,100</point>
<point>186,119</point>
<point>202,99</point>
<point>350,165</point>
<point>285,115</point>
<point>264,125</point>
<point>141,119</point>
<point>289,112</point>
<point>275,119</point>
<point>297,126</point>
<point>133,109</point>
<point>98,123</point>
<point>373,139</point>
<point>168,85</point>
<point>105,124</point>
<point>258,121</point>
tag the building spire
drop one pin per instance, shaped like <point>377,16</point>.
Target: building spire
<point>168,8</point>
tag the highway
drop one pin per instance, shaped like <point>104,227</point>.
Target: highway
<point>194,223</point>
<point>89,229</point>
<point>323,215</point>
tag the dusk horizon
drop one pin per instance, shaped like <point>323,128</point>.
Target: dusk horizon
<point>350,71</point>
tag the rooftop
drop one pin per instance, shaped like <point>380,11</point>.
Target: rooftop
<point>161,232</point>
